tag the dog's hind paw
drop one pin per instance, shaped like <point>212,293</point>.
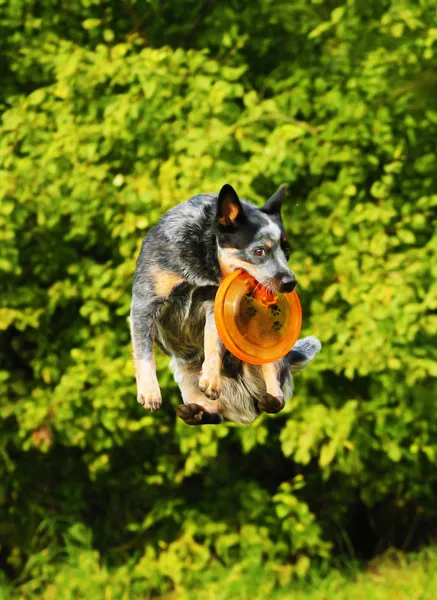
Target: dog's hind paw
<point>271,404</point>
<point>194,414</point>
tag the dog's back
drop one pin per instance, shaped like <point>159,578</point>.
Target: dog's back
<point>183,243</point>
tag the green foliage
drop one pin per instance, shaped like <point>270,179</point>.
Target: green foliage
<point>113,113</point>
<point>392,575</point>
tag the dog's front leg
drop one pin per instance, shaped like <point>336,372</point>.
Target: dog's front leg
<point>273,399</point>
<point>209,381</point>
<point>142,321</point>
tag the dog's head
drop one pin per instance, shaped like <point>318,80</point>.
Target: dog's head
<point>254,239</point>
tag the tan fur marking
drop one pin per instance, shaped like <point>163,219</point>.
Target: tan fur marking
<point>229,263</point>
<point>270,374</point>
<point>230,212</point>
<point>149,394</point>
<point>145,370</point>
<point>164,281</point>
<point>268,245</point>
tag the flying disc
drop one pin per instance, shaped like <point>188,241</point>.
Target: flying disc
<point>255,324</point>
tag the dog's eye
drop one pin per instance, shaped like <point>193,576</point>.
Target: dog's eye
<point>260,251</point>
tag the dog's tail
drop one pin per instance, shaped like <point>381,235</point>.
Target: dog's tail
<point>303,353</point>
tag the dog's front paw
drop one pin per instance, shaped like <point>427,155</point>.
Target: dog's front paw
<point>150,399</point>
<point>210,385</point>
<point>271,404</point>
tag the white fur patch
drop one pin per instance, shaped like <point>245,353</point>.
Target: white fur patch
<point>270,229</point>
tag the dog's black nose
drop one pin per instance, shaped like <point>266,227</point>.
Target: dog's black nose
<point>287,283</point>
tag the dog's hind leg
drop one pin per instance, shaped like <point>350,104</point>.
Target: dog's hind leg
<point>273,399</point>
<point>196,410</point>
<point>278,376</point>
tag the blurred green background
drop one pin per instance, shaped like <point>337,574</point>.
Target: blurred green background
<point>112,112</point>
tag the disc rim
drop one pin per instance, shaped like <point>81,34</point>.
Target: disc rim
<point>234,345</point>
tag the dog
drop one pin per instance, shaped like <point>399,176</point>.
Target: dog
<point>180,266</point>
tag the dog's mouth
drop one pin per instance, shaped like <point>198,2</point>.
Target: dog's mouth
<point>271,287</point>
<point>265,294</point>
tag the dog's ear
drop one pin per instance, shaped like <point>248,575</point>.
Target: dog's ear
<point>230,212</point>
<point>274,204</point>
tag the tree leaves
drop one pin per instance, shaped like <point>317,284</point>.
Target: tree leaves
<point>111,117</point>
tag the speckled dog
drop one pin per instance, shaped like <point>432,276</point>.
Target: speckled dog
<point>181,264</point>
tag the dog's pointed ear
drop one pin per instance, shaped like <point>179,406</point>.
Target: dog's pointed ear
<point>274,204</point>
<point>230,211</point>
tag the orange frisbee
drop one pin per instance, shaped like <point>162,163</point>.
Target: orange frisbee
<point>256,325</point>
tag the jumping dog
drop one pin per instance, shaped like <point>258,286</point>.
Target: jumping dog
<point>180,266</point>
